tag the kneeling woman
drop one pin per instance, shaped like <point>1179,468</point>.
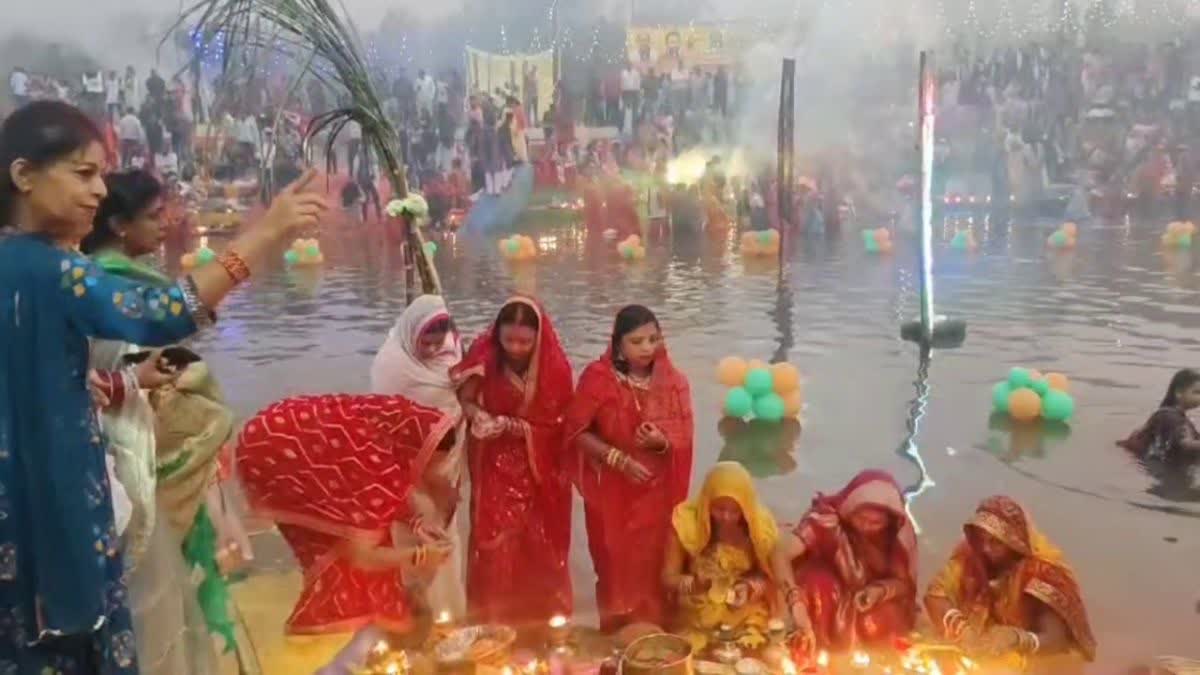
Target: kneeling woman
<point>848,570</point>
<point>334,472</point>
<point>718,559</point>
<point>1007,592</point>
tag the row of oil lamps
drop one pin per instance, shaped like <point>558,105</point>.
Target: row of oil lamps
<point>914,659</point>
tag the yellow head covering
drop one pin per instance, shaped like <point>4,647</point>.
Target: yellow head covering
<point>693,519</point>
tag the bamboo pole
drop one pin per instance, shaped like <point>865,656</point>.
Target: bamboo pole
<point>785,152</point>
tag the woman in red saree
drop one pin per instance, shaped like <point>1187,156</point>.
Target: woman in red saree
<point>594,217</point>
<point>514,384</point>
<point>1007,591</point>
<point>622,208</point>
<point>629,433</point>
<point>849,569</point>
<point>334,472</point>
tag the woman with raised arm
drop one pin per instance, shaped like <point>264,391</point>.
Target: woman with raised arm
<point>61,587</point>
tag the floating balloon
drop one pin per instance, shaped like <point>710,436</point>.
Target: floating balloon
<point>1040,387</point>
<point>1057,406</point>
<point>786,378</point>
<point>1179,234</point>
<point>187,261</point>
<point>1000,393</point>
<point>793,402</point>
<point>731,371</point>
<point>877,241</point>
<point>1024,405</point>
<point>754,364</point>
<point>305,253</point>
<point>1058,381</point>
<point>964,240</point>
<point>205,255</point>
<point>518,248</point>
<point>738,402</point>
<point>769,407</point>
<point>759,382</point>
<point>1019,378</point>
<point>1064,237</point>
<point>760,243</point>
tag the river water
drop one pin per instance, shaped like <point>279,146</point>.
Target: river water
<point>1116,315</point>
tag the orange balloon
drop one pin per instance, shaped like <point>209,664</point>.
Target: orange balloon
<point>885,245</point>
<point>731,371</point>
<point>1189,227</point>
<point>792,403</point>
<point>1024,405</point>
<point>188,261</point>
<point>882,234</point>
<point>756,363</point>
<point>786,378</point>
<point>1071,229</point>
<point>1058,381</point>
<point>1176,227</point>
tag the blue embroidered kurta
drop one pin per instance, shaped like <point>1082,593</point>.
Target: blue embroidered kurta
<point>62,600</point>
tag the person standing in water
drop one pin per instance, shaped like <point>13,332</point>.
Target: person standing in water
<point>630,434</point>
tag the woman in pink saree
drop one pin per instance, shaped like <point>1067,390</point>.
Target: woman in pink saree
<point>848,571</point>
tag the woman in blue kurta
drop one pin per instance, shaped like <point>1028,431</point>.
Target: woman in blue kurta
<point>62,601</point>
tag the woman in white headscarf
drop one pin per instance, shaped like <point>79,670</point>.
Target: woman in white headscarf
<point>414,362</point>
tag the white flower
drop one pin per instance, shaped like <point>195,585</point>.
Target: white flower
<point>414,205</point>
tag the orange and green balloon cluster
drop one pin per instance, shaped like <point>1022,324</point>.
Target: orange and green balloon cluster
<point>1064,237</point>
<point>1179,234</point>
<point>304,253</point>
<point>878,240</point>
<point>764,242</point>
<point>1027,395</point>
<point>198,258</point>
<point>631,248</point>
<point>758,391</point>
<point>518,248</point>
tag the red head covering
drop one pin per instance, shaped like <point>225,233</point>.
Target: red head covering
<point>872,487</point>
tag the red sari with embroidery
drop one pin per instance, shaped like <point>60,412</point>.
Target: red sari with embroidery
<point>517,570</point>
<point>628,524</point>
<point>839,563</point>
<point>333,468</point>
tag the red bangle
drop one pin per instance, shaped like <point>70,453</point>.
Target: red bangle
<point>235,265</point>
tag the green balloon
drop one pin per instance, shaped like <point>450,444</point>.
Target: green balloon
<point>512,246</point>
<point>430,248</point>
<point>868,237</point>
<point>1058,239</point>
<point>764,237</point>
<point>291,257</point>
<point>1040,386</point>
<point>871,244</point>
<point>960,241</point>
<point>759,382</point>
<point>1057,406</point>
<point>313,251</point>
<point>1000,393</point>
<point>205,256</point>
<point>1020,378</point>
<point>627,252</point>
<point>769,407</point>
<point>738,402</point>
<point>1184,241</point>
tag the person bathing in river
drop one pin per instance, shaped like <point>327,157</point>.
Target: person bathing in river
<point>848,571</point>
<point>514,385</point>
<point>1168,433</point>
<point>629,433</point>
<point>1007,593</point>
<point>415,362</point>
<point>718,563</point>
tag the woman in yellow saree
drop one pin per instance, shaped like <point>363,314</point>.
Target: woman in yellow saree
<point>1007,592</point>
<point>718,559</point>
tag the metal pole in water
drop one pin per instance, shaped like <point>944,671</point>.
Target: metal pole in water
<point>926,116</point>
<point>786,148</point>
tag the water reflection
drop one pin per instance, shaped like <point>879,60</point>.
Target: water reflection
<point>1117,315</point>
